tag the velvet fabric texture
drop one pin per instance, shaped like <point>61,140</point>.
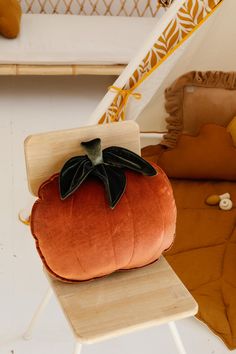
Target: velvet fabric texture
<point>198,152</point>
<point>199,98</point>
<point>10,16</point>
<point>204,253</point>
<point>81,238</point>
<point>209,155</point>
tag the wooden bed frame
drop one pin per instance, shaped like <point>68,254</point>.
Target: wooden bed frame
<point>138,8</point>
<point>20,69</point>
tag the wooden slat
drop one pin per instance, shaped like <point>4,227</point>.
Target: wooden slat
<point>124,301</point>
<point>46,153</point>
<point>7,69</point>
<point>19,69</point>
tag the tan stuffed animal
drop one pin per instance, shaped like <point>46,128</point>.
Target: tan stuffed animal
<point>10,16</point>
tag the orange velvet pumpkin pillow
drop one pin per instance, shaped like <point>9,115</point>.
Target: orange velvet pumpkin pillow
<point>10,16</point>
<point>81,237</point>
<point>209,155</point>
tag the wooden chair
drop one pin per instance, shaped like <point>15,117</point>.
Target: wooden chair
<point>124,301</point>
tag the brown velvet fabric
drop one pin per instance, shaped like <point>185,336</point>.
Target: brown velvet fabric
<point>210,155</point>
<point>10,16</point>
<point>81,238</point>
<point>203,99</point>
<point>204,253</point>
<point>197,98</point>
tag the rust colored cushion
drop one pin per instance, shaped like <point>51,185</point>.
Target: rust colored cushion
<point>81,238</point>
<point>210,155</point>
<point>204,253</point>
<point>10,16</point>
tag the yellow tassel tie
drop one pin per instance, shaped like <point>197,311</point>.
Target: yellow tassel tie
<point>24,221</point>
<point>125,93</point>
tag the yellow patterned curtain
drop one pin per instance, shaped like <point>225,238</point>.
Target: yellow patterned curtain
<point>191,15</point>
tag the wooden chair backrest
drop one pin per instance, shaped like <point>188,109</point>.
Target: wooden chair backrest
<point>46,153</point>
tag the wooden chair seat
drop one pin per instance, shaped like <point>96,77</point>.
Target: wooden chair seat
<point>124,301</point>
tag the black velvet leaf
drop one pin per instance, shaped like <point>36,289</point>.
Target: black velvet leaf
<point>124,158</point>
<point>114,181</point>
<point>73,173</point>
<point>107,165</point>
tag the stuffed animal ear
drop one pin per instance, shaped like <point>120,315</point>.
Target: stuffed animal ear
<point>10,17</point>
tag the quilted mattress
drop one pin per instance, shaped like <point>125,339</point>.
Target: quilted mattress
<point>204,253</point>
<point>71,39</point>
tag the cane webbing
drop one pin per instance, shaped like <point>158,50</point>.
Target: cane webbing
<point>96,7</point>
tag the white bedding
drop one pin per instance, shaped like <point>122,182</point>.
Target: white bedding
<point>71,39</point>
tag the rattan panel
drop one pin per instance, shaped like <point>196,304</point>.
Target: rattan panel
<point>96,7</point>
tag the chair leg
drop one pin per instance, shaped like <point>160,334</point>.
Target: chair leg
<point>78,348</point>
<point>176,337</point>
<point>40,309</point>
